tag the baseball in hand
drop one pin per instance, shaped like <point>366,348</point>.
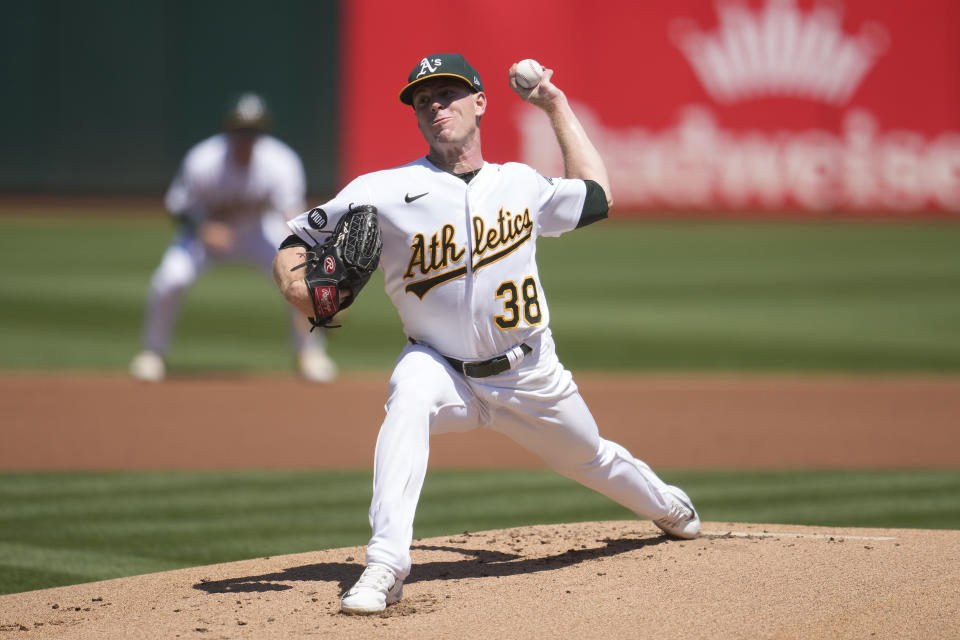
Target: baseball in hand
<point>528,73</point>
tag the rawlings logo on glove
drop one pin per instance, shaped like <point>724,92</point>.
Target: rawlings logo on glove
<point>340,267</point>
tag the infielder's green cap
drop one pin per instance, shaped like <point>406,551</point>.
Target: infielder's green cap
<point>452,65</point>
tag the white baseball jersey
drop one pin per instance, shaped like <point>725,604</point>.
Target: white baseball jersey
<point>459,259</point>
<point>208,185</point>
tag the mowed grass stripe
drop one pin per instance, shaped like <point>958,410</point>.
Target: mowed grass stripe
<point>37,497</point>
<point>79,563</point>
<point>89,485</point>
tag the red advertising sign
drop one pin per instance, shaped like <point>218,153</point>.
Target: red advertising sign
<point>726,105</point>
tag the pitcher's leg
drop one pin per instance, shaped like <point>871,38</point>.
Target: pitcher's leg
<point>565,435</point>
<point>615,473</point>
<point>423,399</point>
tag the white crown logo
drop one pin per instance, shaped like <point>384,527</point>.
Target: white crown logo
<point>780,51</point>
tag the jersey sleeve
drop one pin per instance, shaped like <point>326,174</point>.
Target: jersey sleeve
<point>595,205</point>
<point>561,203</point>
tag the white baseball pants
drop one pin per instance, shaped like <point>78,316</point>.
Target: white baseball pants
<point>537,404</point>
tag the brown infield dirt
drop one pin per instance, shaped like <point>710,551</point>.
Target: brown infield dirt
<point>584,580</point>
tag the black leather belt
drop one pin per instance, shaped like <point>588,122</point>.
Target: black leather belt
<point>483,368</point>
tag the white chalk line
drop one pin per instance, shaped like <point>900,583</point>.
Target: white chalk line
<point>774,534</point>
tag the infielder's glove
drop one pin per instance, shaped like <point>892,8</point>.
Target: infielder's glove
<point>343,263</point>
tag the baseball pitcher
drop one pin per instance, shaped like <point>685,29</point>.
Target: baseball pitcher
<point>457,251</point>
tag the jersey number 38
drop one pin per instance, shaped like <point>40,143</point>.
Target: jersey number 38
<point>519,302</point>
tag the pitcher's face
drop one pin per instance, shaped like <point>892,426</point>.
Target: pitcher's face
<point>447,111</point>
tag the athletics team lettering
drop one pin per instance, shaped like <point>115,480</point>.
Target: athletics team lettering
<point>489,245</point>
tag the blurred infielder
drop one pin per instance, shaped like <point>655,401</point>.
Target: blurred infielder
<point>232,197</point>
<point>459,237</point>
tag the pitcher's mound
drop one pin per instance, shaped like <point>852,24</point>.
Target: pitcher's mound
<point>618,579</point>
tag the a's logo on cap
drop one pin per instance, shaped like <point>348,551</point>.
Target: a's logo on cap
<point>426,67</point>
<point>317,218</point>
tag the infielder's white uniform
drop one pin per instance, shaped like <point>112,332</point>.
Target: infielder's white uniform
<point>253,200</point>
<point>459,265</point>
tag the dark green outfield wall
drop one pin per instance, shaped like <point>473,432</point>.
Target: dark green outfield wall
<point>105,96</point>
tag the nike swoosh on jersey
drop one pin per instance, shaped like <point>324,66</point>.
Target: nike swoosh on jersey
<point>409,198</point>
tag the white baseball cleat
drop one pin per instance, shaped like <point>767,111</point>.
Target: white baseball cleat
<point>316,365</point>
<point>148,366</point>
<point>682,520</point>
<point>376,588</point>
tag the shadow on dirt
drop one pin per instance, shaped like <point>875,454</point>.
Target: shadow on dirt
<point>480,563</point>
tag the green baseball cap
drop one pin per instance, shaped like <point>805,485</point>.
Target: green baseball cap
<point>437,65</point>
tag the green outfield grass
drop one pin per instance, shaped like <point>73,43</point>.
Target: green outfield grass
<point>652,296</point>
<point>68,528</point>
